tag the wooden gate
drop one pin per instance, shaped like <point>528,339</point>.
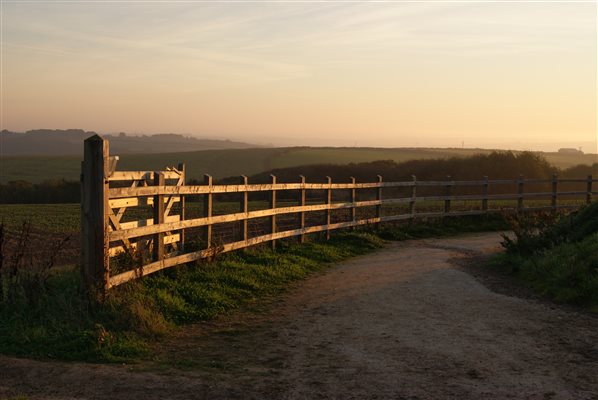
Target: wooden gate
<point>141,215</point>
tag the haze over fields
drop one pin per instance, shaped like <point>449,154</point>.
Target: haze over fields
<point>46,142</point>
<point>513,75</point>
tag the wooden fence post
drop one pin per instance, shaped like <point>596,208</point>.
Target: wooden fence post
<point>329,202</point>
<point>589,190</point>
<point>379,198</point>
<point>413,196</point>
<point>94,216</point>
<point>302,213</point>
<point>273,206</point>
<point>181,169</point>
<point>207,210</point>
<point>485,194</point>
<point>553,199</point>
<point>447,194</point>
<point>243,207</point>
<point>520,182</point>
<point>158,211</point>
<point>353,200</point>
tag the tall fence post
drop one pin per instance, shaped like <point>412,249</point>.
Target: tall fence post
<point>158,211</point>
<point>553,198</point>
<point>207,210</point>
<point>485,194</point>
<point>353,200</point>
<point>273,206</point>
<point>447,195</point>
<point>181,169</point>
<point>413,196</point>
<point>379,198</point>
<point>589,190</point>
<point>244,207</point>
<point>329,202</point>
<point>302,213</point>
<point>94,216</point>
<point>520,182</point>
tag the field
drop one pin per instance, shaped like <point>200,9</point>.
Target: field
<point>224,163</point>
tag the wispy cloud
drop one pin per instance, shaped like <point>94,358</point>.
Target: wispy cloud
<point>351,66</point>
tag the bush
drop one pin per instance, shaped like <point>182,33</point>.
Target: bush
<point>557,258</point>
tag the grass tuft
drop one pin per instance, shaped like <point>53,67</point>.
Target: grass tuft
<point>62,324</point>
<point>558,259</point>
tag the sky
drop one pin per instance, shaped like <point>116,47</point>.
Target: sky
<point>500,74</point>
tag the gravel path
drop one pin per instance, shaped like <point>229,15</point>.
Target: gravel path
<point>406,322</point>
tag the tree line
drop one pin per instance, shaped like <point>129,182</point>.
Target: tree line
<point>496,165</point>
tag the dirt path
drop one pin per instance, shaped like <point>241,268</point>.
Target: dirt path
<point>403,323</point>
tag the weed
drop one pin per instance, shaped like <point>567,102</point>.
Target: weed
<point>62,324</point>
<point>557,257</point>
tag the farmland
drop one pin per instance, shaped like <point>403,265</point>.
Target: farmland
<point>224,163</point>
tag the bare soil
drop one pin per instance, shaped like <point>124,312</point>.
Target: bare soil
<point>407,322</point>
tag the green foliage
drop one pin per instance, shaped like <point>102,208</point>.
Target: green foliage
<point>496,165</point>
<point>235,162</point>
<point>537,233</point>
<point>47,217</point>
<point>46,192</point>
<point>444,227</point>
<point>558,259</point>
<point>62,323</point>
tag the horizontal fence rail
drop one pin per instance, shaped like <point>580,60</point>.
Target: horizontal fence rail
<point>145,218</point>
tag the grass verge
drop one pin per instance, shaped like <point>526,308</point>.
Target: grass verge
<point>58,323</point>
<point>55,321</point>
<point>558,259</point>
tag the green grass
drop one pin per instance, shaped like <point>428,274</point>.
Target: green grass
<point>54,319</point>
<point>57,321</point>
<point>56,218</point>
<point>65,218</point>
<point>558,260</point>
<point>225,163</point>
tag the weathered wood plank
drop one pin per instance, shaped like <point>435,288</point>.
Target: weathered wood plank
<point>448,194</point>
<point>159,212</point>
<point>485,194</point>
<point>328,202</point>
<point>115,193</point>
<point>272,207</point>
<point>353,200</point>
<point>204,189</point>
<point>219,219</point>
<point>302,213</point>
<point>207,211</point>
<point>182,180</point>
<point>379,198</point>
<point>140,175</point>
<point>94,216</point>
<point>138,201</point>
<point>190,257</point>
<point>554,196</point>
<point>147,222</point>
<point>589,189</point>
<point>244,207</point>
<point>413,196</point>
<point>520,197</point>
<point>168,239</point>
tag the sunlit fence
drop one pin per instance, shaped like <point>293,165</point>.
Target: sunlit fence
<point>135,223</point>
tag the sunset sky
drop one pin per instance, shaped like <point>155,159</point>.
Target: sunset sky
<point>390,74</point>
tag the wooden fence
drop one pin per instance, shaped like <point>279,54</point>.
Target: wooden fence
<point>110,228</point>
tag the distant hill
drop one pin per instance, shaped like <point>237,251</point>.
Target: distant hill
<point>47,142</point>
<point>234,162</point>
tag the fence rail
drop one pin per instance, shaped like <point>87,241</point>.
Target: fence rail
<point>159,241</point>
